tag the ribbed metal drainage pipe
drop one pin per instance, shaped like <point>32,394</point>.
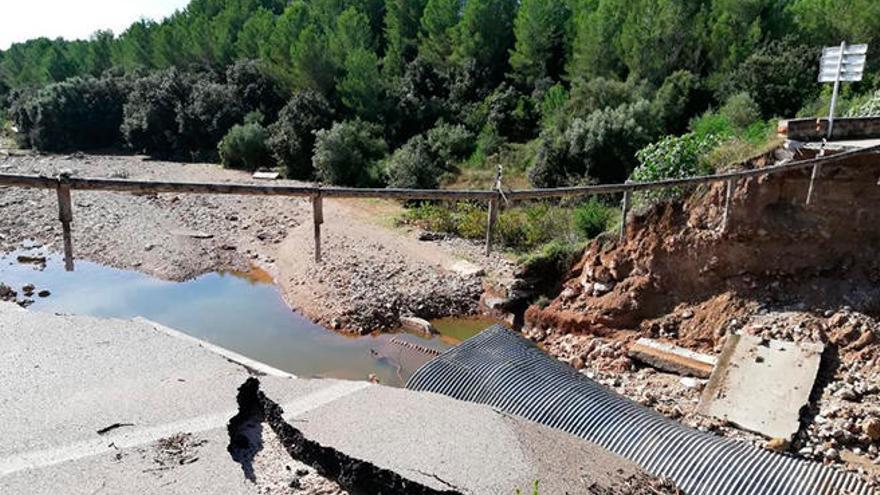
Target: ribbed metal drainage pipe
<point>502,369</point>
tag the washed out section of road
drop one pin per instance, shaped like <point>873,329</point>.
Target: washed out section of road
<point>67,378</point>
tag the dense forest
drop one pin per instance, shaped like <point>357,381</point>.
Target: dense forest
<point>410,93</point>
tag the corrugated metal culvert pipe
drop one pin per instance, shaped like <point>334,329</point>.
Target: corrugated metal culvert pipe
<point>502,369</point>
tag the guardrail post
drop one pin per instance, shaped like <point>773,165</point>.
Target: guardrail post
<point>813,176</point>
<point>65,214</point>
<point>318,218</point>
<point>491,218</point>
<point>627,198</point>
<point>728,194</point>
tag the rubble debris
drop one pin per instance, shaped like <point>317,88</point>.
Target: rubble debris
<point>31,259</point>
<point>672,358</point>
<point>419,325</point>
<point>761,385</point>
<point>177,450</point>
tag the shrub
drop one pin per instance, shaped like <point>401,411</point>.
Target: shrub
<point>592,218</point>
<point>449,144</point>
<point>511,114</point>
<point>413,166</point>
<point>210,112</point>
<point>423,160</point>
<point>255,89</point>
<point>79,113</point>
<point>244,147</point>
<point>869,107</point>
<point>681,96</point>
<point>348,153</point>
<point>605,142</point>
<point>150,123</point>
<point>712,124</point>
<point>292,136</point>
<point>553,106</point>
<point>780,76</point>
<point>598,93</point>
<point>741,110</point>
<point>673,157</point>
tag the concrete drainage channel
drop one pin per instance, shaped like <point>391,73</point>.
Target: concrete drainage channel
<point>504,370</point>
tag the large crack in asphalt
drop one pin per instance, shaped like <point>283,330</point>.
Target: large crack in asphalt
<point>356,476</point>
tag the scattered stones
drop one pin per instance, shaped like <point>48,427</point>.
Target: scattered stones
<point>871,428</point>
<point>44,293</point>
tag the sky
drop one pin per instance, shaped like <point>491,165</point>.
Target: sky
<point>22,20</point>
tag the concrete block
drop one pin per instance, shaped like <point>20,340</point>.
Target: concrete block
<point>761,385</point>
<point>672,358</point>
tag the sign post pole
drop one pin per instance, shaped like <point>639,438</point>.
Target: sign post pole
<point>836,88</point>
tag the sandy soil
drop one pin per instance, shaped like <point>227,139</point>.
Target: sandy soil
<point>371,273</point>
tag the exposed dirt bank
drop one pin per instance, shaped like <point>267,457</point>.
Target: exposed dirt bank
<point>371,272</point>
<point>781,270</point>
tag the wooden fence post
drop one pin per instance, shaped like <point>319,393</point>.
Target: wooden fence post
<point>318,218</point>
<point>728,195</point>
<point>627,196</point>
<point>65,214</point>
<point>490,223</point>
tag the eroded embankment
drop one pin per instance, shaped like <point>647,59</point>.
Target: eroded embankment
<point>782,270</point>
<point>776,250</point>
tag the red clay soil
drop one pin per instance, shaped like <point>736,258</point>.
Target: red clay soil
<point>676,271</point>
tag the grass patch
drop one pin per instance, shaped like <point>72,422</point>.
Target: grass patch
<point>521,228</point>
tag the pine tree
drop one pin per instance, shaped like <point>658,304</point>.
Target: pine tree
<point>401,33</point>
<point>485,35</point>
<point>540,29</point>
<point>437,30</point>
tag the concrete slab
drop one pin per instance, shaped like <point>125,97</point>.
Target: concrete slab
<point>761,385</point>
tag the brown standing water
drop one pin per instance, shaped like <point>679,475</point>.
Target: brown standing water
<point>243,312</point>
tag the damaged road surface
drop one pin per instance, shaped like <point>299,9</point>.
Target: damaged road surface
<point>95,405</point>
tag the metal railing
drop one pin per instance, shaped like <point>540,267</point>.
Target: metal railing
<point>65,183</point>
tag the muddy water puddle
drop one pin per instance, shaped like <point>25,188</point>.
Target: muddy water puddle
<point>243,312</point>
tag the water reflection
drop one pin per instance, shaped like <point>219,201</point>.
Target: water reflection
<point>243,312</point>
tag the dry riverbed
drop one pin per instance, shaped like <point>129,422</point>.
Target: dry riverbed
<point>371,273</point>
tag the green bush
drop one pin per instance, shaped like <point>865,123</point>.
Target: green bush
<point>869,106</point>
<point>255,88</point>
<point>450,144</point>
<point>348,153</point>
<point>741,110</point>
<point>292,136</point>
<point>681,96</point>
<point>712,124</point>
<point>780,76</point>
<point>605,142</point>
<point>150,115</point>
<point>210,111</point>
<point>79,113</point>
<point>592,218</point>
<point>244,147</point>
<point>673,157</point>
<point>512,114</point>
<point>413,166</point>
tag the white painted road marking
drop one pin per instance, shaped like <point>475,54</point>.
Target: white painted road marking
<point>133,438</point>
